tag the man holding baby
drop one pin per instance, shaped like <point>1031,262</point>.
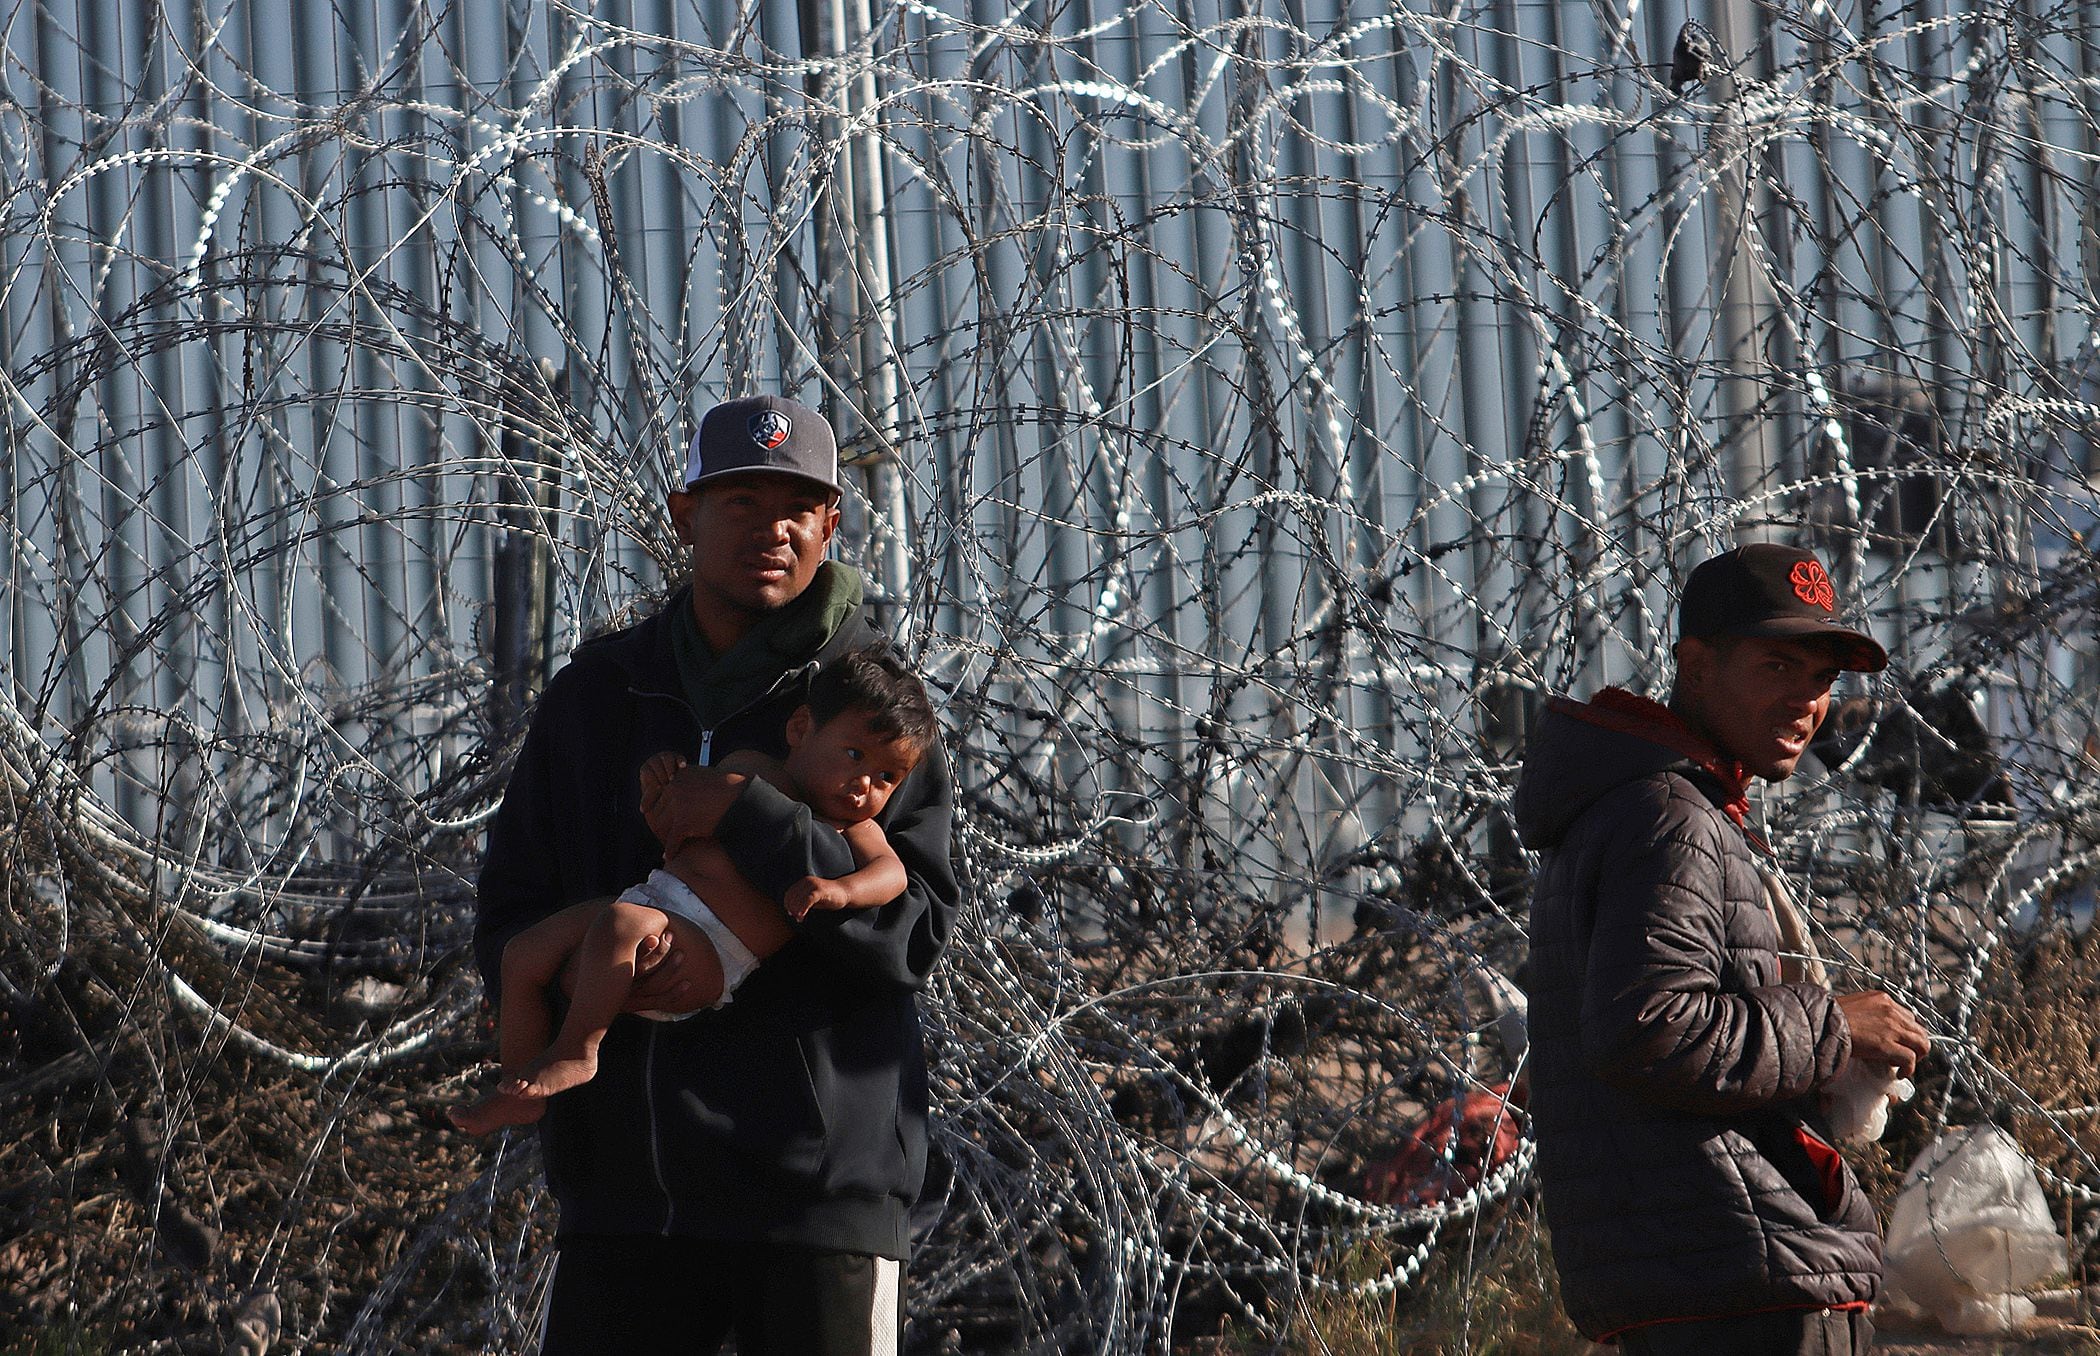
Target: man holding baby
<point>744,1164</point>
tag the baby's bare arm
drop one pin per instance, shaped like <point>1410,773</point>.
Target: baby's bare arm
<point>877,878</point>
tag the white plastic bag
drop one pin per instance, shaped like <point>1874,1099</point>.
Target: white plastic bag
<point>1857,1100</point>
<point>1970,1229</point>
<point>1988,1315</point>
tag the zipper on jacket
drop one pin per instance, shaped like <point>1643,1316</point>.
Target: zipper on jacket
<point>707,734</point>
<point>656,1152</point>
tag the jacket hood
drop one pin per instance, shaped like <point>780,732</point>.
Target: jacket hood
<point>1585,749</point>
<point>824,622</point>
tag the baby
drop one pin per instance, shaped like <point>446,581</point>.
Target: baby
<point>866,725</point>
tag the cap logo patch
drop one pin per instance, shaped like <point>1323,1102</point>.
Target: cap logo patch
<point>770,428</point>
<point>1812,585</point>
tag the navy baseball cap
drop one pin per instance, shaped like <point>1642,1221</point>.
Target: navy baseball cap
<point>763,433</point>
<point>1766,589</point>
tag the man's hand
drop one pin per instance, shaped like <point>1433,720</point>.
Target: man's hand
<point>1884,1031</point>
<point>675,971</point>
<point>653,956</point>
<point>690,804</point>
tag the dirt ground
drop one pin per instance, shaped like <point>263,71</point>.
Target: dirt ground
<point>2046,1336</point>
<point>2051,1340</point>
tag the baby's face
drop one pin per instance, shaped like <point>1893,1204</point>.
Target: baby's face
<point>846,770</point>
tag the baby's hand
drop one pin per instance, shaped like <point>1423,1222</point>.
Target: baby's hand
<point>814,892</point>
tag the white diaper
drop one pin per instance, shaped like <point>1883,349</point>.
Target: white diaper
<point>665,892</point>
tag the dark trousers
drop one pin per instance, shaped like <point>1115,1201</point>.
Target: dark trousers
<point>660,1296</point>
<point>1791,1332</point>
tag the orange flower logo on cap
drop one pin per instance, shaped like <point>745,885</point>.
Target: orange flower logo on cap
<point>1812,585</point>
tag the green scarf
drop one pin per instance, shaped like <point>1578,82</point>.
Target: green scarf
<point>719,686</point>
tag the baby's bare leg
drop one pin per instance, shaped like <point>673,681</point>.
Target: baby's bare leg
<point>532,961</point>
<point>525,1025</point>
<point>605,971</point>
<point>707,871</point>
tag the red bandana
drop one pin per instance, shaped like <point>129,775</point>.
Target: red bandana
<point>1616,709</point>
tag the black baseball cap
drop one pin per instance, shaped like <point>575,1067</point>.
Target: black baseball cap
<point>763,433</point>
<point>1766,589</point>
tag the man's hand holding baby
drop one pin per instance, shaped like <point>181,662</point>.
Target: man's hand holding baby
<point>681,802</point>
<point>682,975</point>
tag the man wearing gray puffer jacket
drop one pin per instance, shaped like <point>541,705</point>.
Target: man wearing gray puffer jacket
<point>1695,1200</point>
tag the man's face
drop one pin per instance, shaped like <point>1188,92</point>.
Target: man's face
<point>1758,698</point>
<point>845,768</point>
<point>756,540</point>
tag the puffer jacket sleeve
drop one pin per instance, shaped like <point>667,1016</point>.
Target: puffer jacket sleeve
<point>1655,1019</point>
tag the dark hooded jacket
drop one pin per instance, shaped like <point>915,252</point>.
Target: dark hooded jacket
<point>1685,1168</point>
<point>796,1113</point>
